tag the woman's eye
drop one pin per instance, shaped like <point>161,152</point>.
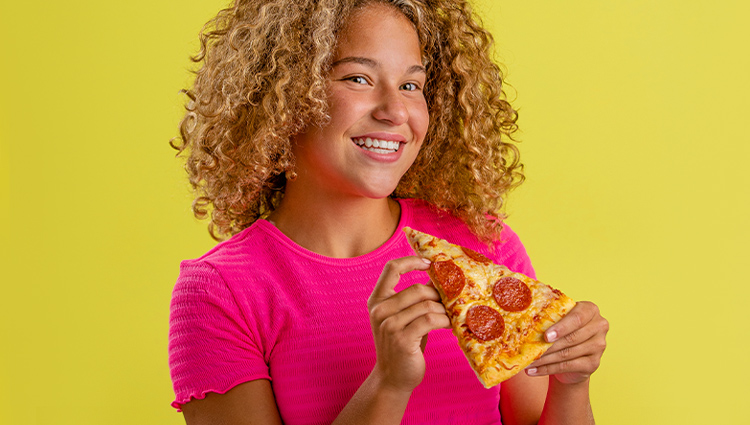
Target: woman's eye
<point>410,87</point>
<point>357,79</point>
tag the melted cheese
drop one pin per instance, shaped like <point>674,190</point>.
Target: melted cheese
<point>521,341</point>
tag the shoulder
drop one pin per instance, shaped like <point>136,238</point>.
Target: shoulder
<point>255,246</point>
<point>238,246</point>
<point>218,277</point>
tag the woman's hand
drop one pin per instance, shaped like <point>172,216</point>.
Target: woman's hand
<point>579,342</point>
<point>400,323</point>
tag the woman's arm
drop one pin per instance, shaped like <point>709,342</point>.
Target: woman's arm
<point>248,403</point>
<point>400,323</point>
<point>579,342</point>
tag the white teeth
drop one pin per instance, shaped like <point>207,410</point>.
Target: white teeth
<point>379,146</point>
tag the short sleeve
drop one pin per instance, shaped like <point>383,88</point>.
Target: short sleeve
<point>512,253</point>
<point>211,346</point>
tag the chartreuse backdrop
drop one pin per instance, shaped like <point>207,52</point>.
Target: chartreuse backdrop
<point>634,135</point>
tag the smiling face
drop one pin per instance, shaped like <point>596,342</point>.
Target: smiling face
<point>378,112</point>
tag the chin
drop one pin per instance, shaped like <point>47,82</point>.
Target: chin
<point>379,192</point>
<point>375,186</point>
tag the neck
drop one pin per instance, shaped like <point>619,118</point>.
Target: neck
<point>335,226</point>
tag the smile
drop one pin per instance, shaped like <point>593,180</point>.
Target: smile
<point>378,146</point>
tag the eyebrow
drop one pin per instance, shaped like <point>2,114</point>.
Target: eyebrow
<point>372,64</point>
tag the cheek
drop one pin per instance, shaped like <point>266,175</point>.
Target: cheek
<point>344,109</point>
<point>421,120</point>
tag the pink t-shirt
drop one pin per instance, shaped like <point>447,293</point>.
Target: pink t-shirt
<point>259,306</point>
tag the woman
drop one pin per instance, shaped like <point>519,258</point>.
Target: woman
<point>316,131</point>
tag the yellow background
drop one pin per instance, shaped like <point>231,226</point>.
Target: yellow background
<point>635,138</point>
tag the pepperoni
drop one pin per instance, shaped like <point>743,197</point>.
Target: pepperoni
<point>485,322</point>
<point>475,256</point>
<point>450,277</point>
<point>512,294</point>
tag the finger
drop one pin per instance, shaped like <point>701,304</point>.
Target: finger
<point>402,318</point>
<point>582,365</point>
<point>411,296</point>
<point>578,336</point>
<point>593,336</point>
<point>582,313</point>
<point>588,348</point>
<point>420,327</point>
<point>392,270</point>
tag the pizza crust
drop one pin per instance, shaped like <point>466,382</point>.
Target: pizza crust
<point>522,340</point>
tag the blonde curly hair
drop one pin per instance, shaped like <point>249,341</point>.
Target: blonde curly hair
<point>263,80</point>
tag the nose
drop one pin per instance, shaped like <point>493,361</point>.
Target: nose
<point>391,107</point>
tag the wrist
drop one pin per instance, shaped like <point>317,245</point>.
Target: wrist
<point>379,383</point>
<point>567,403</point>
<point>558,383</point>
<point>571,394</point>
<point>375,402</point>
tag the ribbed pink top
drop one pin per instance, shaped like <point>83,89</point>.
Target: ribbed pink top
<point>259,306</point>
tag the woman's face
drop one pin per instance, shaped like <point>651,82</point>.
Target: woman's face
<point>378,111</point>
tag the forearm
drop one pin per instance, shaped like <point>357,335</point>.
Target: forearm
<point>567,404</point>
<point>374,403</point>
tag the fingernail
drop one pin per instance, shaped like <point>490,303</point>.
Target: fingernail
<point>531,371</point>
<point>551,336</point>
<point>426,261</point>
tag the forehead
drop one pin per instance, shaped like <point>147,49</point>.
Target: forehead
<point>374,26</point>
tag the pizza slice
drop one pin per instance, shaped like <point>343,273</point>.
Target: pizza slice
<point>498,316</point>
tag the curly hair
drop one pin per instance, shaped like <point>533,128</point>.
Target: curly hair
<point>263,80</point>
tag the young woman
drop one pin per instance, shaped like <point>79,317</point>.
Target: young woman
<point>316,131</point>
